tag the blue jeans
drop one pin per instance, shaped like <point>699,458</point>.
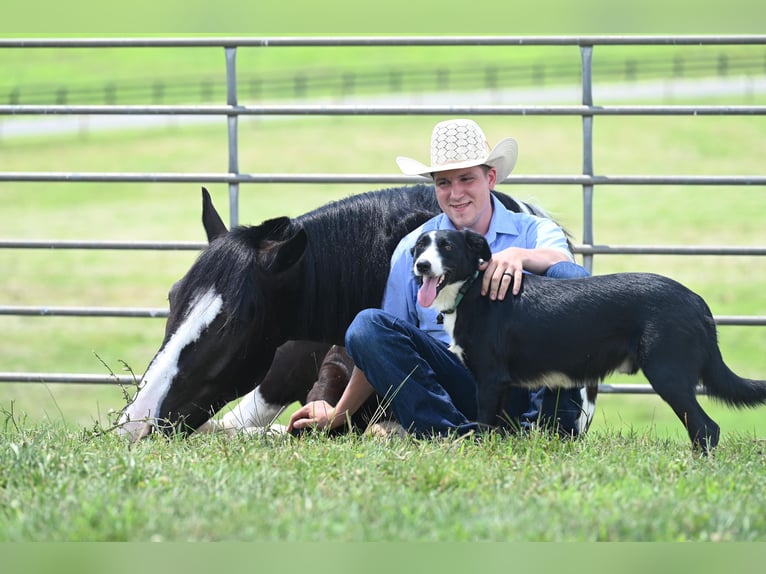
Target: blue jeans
<point>431,392</point>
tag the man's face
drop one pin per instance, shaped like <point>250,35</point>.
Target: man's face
<point>463,194</point>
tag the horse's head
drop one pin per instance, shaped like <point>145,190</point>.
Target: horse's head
<point>223,326</point>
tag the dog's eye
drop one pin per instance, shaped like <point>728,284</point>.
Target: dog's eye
<point>447,247</point>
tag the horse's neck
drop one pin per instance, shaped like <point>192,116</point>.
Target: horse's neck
<point>334,296</point>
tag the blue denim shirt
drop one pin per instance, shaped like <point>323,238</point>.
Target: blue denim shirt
<point>506,229</point>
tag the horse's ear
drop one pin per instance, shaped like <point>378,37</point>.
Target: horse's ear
<point>273,229</point>
<point>211,221</point>
<point>289,252</point>
<point>478,245</point>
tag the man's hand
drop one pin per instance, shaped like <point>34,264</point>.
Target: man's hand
<point>320,414</point>
<point>504,270</point>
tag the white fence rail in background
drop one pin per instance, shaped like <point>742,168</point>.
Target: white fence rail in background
<point>232,176</point>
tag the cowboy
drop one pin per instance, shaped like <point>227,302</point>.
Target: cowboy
<point>401,350</point>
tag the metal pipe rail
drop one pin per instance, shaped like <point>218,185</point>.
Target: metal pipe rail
<point>379,110</point>
<point>82,311</point>
<point>339,178</point>
<point>360,41</point>
<point>158,313</point>
<point>46,244</point>
<point>101,245</point>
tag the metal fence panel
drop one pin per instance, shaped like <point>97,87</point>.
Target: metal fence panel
<point>232,111</point>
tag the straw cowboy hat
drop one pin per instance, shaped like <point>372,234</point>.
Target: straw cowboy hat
<point>456,144</point>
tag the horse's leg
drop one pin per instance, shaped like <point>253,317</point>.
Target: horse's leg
<point>333,376</point>
<point>332,381</point>
<point>289,379</point>
<point>250,411</point>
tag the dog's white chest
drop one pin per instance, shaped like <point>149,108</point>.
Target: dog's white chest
<point>448,321</point>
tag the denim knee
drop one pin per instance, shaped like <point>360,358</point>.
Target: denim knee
<point>566,270</point>
<point>362,329</point>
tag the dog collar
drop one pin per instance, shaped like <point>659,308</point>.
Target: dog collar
<point>460,294</point>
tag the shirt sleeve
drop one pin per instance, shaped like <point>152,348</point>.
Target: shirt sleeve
<point>401,292</point>
<point>550,236</point>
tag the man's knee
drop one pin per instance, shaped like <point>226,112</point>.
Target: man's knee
<point>364,329</point>
<point>566,270</point>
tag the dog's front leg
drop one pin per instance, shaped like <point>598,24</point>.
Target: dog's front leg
<point>491,387</point>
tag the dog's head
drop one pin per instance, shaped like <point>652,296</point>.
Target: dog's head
<point>446,258</point>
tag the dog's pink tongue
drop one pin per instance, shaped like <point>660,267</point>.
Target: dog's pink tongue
<point>427,291</point>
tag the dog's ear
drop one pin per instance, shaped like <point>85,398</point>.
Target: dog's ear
<point>477,245</point>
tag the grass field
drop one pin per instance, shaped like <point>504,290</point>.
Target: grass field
<point>625,481</point>
<point>612,486</point>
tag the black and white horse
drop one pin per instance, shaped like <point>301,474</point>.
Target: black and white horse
<point>253,289</point>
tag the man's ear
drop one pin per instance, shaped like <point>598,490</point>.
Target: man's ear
<point>477,245</point>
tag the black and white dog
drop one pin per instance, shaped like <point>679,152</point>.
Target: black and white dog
<point>562,332</point>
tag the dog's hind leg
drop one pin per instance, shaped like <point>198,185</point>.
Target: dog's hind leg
<point>676,385</point>
<point>588,407</point>
<point>566,411</point>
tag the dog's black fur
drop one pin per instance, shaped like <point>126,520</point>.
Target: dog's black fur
<point>560,332</point>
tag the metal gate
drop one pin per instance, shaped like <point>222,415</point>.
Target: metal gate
<point>588,180</point>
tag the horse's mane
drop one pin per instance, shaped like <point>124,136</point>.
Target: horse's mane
<point>349,252</point>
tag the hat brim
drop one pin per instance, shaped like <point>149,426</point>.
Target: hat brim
<point>502,157</point>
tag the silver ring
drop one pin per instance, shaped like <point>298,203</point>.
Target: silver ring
<point>509,274</point>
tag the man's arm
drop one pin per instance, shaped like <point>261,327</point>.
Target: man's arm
<point>547,245</point>
<point>506,268</point>
<point>324,415</point>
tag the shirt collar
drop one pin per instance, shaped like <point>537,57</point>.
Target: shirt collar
<point>504,221</point>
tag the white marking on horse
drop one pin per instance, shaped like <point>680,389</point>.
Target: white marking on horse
<point>138,416</point>
<point>252,411</point>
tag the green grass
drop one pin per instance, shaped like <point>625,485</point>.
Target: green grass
<point>616,485</point>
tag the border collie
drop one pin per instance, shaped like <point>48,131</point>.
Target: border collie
<point>565,332</point>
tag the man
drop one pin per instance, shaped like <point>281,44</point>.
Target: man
<point>401,351</point>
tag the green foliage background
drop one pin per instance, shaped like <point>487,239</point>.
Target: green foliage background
<point>392,16</point>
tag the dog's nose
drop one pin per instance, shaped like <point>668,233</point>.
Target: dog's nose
<point>423,267</point>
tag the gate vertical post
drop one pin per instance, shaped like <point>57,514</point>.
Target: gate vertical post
<point>233,119</point>
<point>586,57</point>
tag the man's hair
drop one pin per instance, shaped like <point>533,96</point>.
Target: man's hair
<point>483,166</point>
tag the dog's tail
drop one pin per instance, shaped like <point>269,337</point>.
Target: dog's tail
<point>724,384</point>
